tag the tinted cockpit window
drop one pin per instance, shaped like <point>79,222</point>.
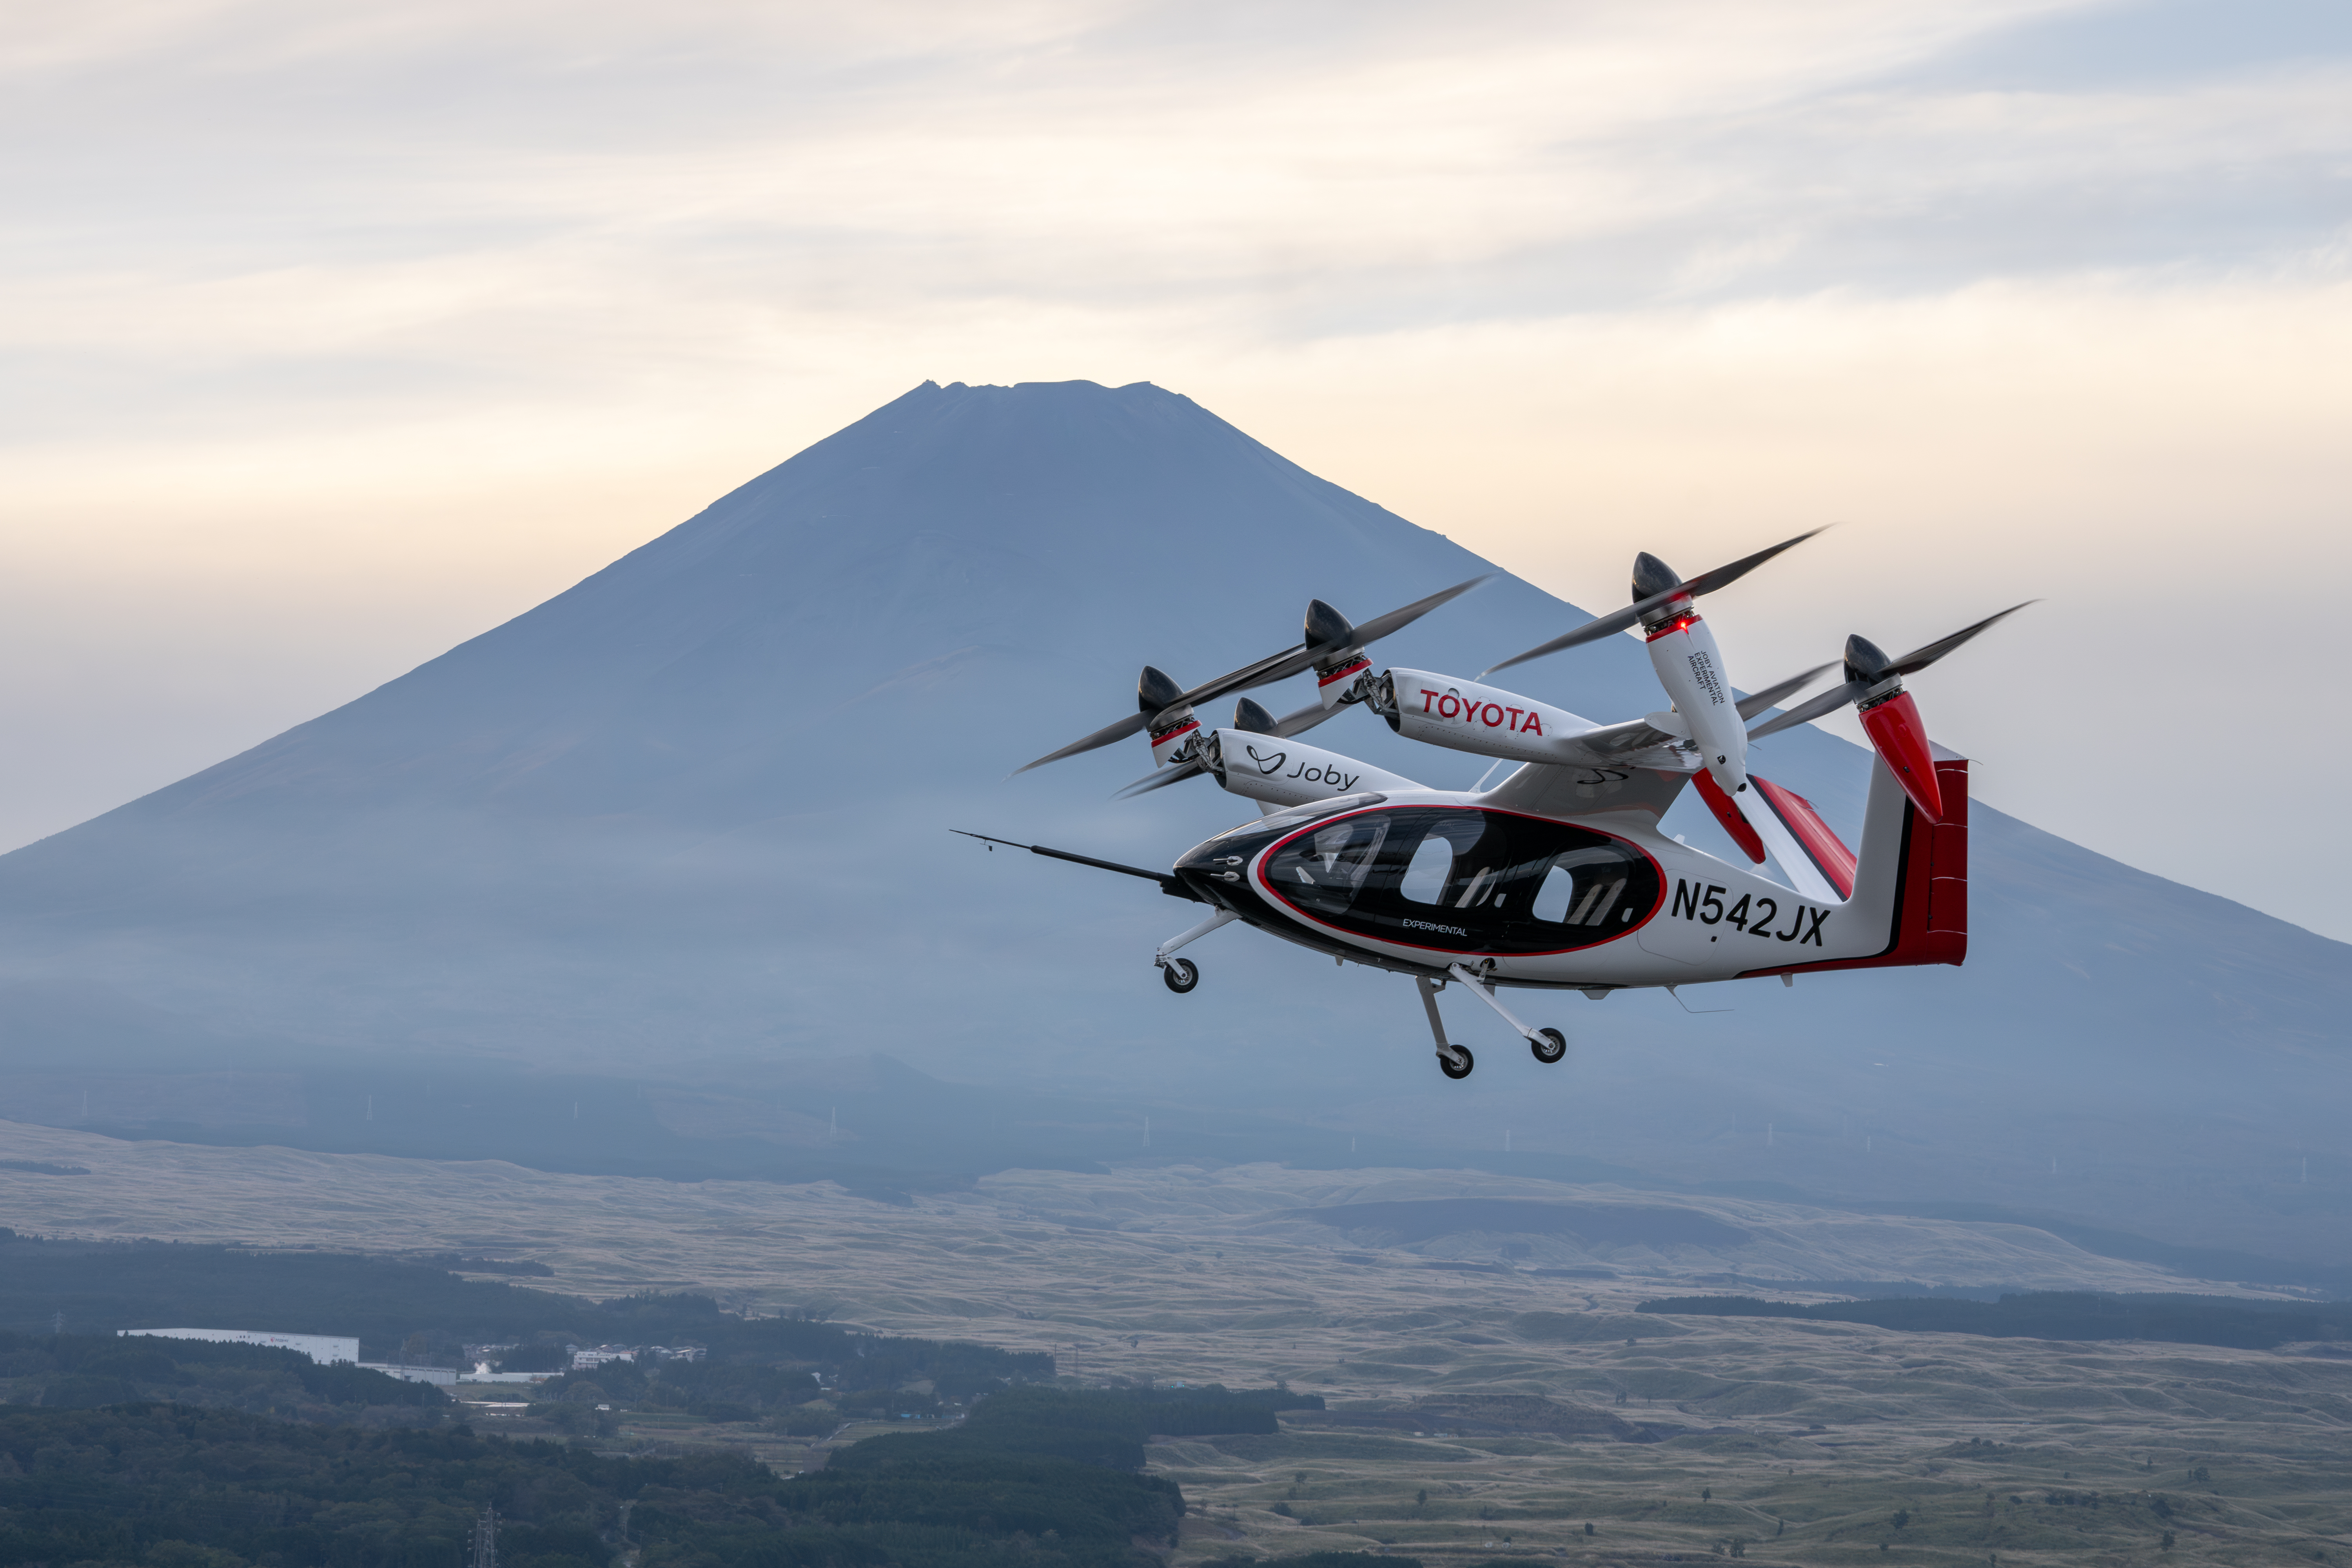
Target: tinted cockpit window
<point>1323,869</point>
<point>1429,872</point>
<point>1473,881</point>
<point>1584,888</point>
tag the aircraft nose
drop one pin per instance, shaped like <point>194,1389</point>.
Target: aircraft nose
<point>1217,869</point>
<point>1216,861</point>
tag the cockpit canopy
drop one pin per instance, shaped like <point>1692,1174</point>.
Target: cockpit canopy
<point>1466,880</point>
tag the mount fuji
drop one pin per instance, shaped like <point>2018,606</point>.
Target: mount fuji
<point>684,824</point>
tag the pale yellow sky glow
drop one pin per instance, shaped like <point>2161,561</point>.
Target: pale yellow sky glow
<point>335,337</point>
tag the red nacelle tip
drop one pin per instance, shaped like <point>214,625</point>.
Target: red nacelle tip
<point>1895,727</point>
<point>1743,833</point>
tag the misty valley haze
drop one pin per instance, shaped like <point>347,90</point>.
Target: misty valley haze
<point>672,846</point>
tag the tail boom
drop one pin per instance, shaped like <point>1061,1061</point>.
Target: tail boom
<point>1913,873</point>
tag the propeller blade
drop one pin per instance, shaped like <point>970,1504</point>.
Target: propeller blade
<point>1133,724</point>
<point>1805,713</point>
<point>1250,716</point>
<point>1161,779</point>
<point>1275,666</point>
<point>1245,716</point>
<point>1917,660</point>
<point>1298,723</point>
<point>1618,620</point>
<point>1773,696</point>
<point>1395,621</point>
<point>1136,723</point>
<point>1591,631</point>
<point>1725,576</point>
<point>1286,665</point>
<point>1257,720</point>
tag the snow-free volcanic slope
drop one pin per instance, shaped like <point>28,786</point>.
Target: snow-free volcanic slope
<point>693,809</point>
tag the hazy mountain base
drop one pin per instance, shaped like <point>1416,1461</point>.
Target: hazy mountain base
<point>1041,1258</point>
<point>691,813</point>
<point>884,1129</point>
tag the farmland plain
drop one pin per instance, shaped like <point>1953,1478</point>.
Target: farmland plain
<point>1491,1393</point>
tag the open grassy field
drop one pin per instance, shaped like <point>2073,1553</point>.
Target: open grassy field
<point>1802,1445</point>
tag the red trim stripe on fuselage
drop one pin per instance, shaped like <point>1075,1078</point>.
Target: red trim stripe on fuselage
<point>1822,846</point>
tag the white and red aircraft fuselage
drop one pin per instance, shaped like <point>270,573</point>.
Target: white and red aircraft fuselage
<point>1560,876</point>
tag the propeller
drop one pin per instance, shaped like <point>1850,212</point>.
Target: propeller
<point>1332,646</point>
<point>1250,716</point>
<point>1335,649</point>
<point>1654,587</point>
<point>1772,695</point>
<point>1888,715</point>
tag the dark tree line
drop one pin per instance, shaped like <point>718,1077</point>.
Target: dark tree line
<point>1038,1479</point>
<point>86,1371</point>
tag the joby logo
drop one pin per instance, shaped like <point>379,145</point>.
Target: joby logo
<point>1306,773</point>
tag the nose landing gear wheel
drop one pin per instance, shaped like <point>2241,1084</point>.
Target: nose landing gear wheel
<point>1549,1047</point>
<point>1181,975</point>
<point>1458,1063</point>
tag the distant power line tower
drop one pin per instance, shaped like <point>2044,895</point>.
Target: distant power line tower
<point>485,1541</point>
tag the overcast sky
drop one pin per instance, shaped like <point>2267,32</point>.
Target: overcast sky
<point>336,334</point>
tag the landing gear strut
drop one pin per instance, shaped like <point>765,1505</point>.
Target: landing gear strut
<point>1179,973</point>
<point>1548,1045</point>
<point>1455,1061</point>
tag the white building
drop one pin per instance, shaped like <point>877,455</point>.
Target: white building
<point>327,1350</point>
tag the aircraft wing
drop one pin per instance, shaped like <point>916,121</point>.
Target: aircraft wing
<point>1625,741</point>
<point>1631,766</point>
<point>1560,789</point>
<point>1615,741</point>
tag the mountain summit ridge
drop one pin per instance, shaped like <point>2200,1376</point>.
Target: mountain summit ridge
<point>695,807</point>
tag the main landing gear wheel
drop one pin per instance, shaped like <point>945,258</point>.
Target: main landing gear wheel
<point>1549,1046</point>
<point>1455,1061</point>
<point>1181,975</point>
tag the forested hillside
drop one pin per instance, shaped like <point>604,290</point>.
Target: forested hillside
<point>1039,1478</point>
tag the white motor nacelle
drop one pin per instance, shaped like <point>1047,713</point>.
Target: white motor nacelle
<point>1465,716</point>
<point>1682,652</point>
<point>1284,772</point>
